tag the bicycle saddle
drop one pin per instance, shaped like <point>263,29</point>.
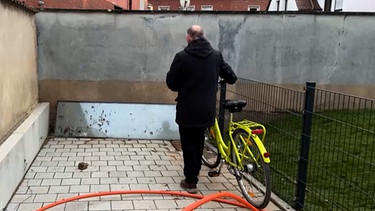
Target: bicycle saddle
<point>234,105</point>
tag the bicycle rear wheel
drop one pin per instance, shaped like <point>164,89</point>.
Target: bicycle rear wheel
<point>211,156</point>
<point>254,180</point>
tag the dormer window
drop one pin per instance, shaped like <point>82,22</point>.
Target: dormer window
<point>164,7</point>
<point>207,8</point>
<point>253,8</point>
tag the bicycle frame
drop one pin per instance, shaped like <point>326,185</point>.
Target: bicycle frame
<point>225,149</point>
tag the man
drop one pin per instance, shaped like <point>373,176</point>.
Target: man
<point>194,74</point>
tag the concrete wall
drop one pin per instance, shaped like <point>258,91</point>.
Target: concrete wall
<point>19,150</point>
<point>125,57</point>
<point>18,66</point>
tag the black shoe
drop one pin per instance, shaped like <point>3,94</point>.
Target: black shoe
<point>189,187</point>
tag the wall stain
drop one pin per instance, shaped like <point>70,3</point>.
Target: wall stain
<point>228,31</point>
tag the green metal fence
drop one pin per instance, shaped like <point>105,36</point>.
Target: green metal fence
<point>322,143</point>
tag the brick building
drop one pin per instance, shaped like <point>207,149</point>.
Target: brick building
<point>215,5</point>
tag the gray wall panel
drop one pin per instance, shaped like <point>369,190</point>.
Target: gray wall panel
<point>274,48</point>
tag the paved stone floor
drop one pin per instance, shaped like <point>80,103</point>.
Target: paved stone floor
<point>113,164</point>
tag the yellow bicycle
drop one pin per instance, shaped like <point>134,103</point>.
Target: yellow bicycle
<point>243,152</point>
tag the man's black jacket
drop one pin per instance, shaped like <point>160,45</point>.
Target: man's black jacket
<point>194,74</point>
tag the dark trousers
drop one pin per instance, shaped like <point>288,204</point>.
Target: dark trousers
<point>192,142</point>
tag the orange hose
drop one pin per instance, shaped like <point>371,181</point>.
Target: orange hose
<point>203,199</point>
<point>219,195</point>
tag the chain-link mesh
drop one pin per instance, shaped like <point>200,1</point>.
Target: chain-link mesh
<point>341,164</point>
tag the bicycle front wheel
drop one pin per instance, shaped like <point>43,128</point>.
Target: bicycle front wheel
<point>254,176</point>
<point>211,156</point>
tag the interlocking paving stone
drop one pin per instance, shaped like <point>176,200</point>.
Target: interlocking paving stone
<point>144,204</point>
<point>99,205</point>
<point>37,190</point>
<point>114,165</point>
<point>122,205</point>
<point>29,206</point>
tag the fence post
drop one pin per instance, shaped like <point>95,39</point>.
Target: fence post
<point>305,145</point>
<point>223,91</point>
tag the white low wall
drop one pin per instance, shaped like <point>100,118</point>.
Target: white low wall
<point>116,120</point>
<point>19,150</point>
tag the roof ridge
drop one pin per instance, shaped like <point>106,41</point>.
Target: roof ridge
<point>22,4</point>
<point>75,4</point>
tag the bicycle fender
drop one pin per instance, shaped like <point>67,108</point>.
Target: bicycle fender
<point>259,144</point>
<point>261,148</point>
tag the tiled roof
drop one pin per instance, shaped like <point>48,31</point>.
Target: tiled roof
<point>305,5</point>
<point>120,3</point>
<point>76,4</point>
<point>22,4</point>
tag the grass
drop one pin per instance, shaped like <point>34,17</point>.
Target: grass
<point>341,160</point>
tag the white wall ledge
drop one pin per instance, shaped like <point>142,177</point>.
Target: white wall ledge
<point>19,150</point>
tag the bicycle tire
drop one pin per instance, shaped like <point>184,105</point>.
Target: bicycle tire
<point>211,156</point>
<point>254,183</point>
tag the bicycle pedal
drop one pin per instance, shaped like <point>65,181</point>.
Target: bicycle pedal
<point>213,173</point>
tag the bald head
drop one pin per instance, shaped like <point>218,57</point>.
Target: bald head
<point>195,32</point>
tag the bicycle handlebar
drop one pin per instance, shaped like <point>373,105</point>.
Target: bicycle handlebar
<point>222,81</point>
